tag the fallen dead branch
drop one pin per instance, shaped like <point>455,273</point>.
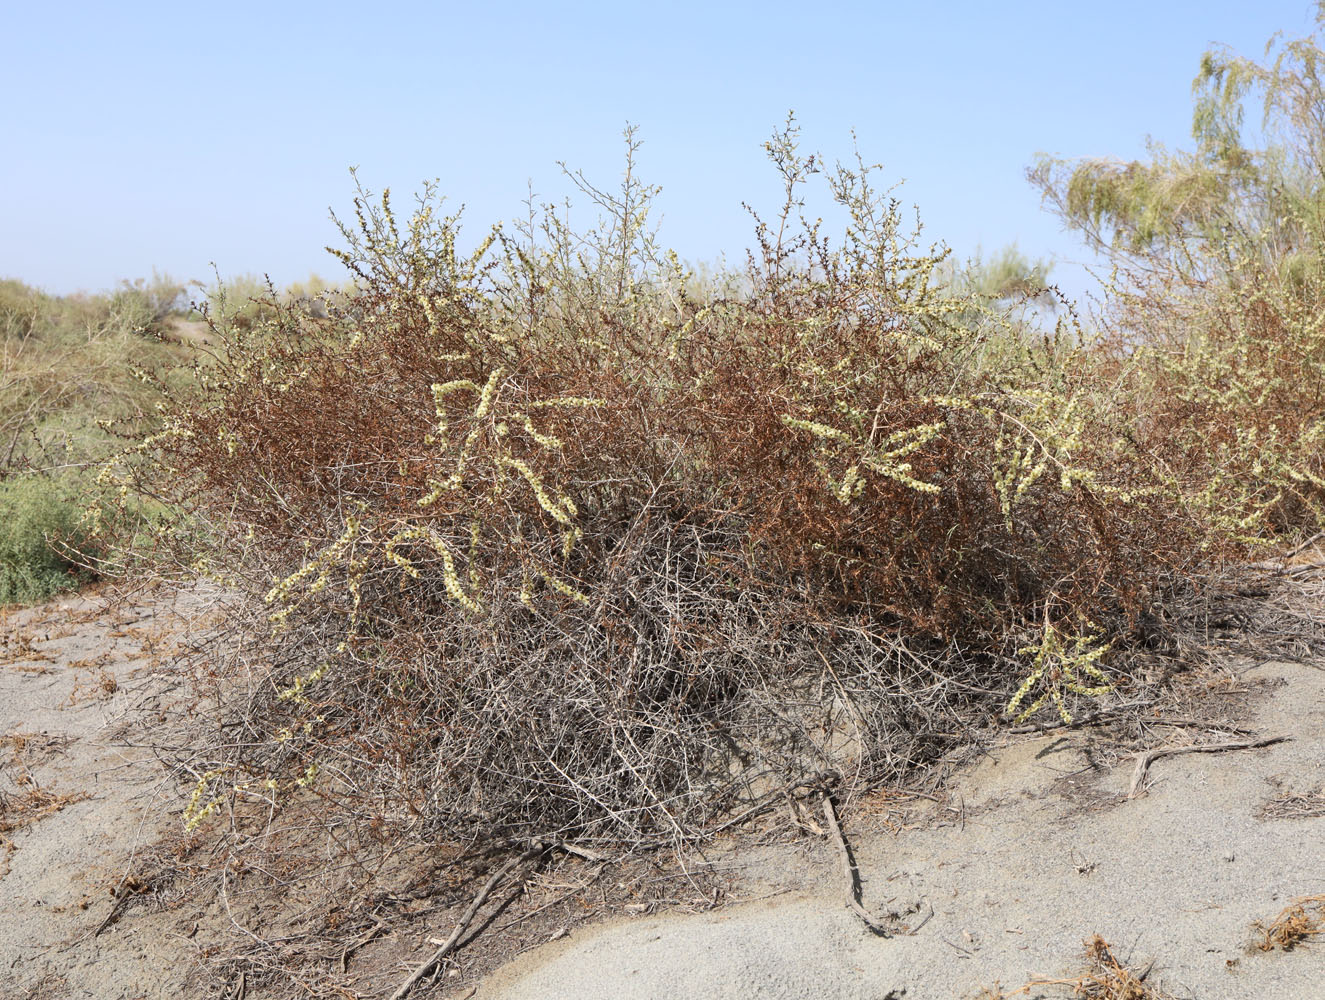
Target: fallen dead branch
<point>582,852</point>
<point>1083,720</point>
<point>378,927</point>
<point>1280,565</point>
<point>852,875</point>
<point>1144,761</point>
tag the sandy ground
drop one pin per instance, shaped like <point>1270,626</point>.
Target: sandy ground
<point>1036,848</point>
<point>1044,851</point>
<point>76,676</point>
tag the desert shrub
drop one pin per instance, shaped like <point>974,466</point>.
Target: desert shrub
<point>143,306</point>
<point>542,545</point>
<point>1215,309</point>
<point>75,383</point>
<point>21,308</point>
<point>44,549</point>
<point>249,303</point>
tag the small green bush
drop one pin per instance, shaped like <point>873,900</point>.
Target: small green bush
<point>41,543</point>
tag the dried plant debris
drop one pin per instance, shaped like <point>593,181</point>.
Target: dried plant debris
<point>1291,803</point>
<point>22,804</point>
<point>20,810</point>
<point>1296,924</point>
<point>1105,978</point>
<point>23,800</point>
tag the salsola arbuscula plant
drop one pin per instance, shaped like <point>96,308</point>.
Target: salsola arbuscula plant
<point>543,540</point>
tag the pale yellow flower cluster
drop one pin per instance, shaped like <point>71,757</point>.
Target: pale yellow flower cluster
<point>1059,664</point>
<point>884,458</point>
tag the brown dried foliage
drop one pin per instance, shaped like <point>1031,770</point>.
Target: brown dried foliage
<point>1295,924</point>
<point>1106,978</point>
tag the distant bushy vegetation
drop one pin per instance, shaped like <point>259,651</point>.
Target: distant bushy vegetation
<point>247,301</point>
<point>82,374</point>
<point>67,370</point>
<point>68,399</point>
<point>553,538</point>
<point>1217,302</point>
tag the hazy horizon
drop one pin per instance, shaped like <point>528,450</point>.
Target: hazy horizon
<point>158,138</point>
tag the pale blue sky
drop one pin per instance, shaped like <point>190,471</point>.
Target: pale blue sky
<point>140,135</point>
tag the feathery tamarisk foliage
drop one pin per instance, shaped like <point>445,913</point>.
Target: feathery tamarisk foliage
<point>1216,311</point>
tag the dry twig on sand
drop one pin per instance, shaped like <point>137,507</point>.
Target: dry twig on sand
<point>1144,761</point>
<point>1295,805</point>
<point>853,876</point>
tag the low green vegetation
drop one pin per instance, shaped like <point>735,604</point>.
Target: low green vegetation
<point>43,547</point>
<point>82,375</point>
